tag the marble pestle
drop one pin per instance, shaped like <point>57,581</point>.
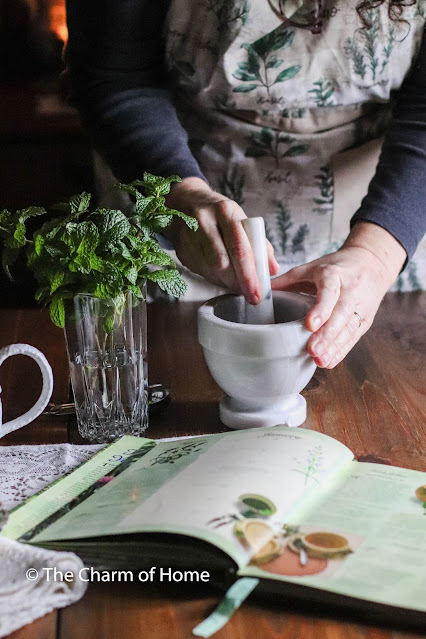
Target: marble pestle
<point>263,312</point>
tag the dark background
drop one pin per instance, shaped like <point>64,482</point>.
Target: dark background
<point>44,154</point>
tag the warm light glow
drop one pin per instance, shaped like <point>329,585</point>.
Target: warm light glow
<point>58,20</point>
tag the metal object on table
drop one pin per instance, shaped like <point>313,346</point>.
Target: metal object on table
<point>158,399</point>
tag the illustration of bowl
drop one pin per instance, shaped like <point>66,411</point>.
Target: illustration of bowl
<point>252,505</point>
<point>288,563</point>
<point>259,539</point>
<point>421,493</point>
<point>324,544</point>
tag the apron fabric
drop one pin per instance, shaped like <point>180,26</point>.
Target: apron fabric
<point>270,107</point>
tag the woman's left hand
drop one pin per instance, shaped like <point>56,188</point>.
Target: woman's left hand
<point>349,286</point>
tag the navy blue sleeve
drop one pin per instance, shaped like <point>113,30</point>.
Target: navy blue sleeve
<point>396,199</point>
<point>117,80</point>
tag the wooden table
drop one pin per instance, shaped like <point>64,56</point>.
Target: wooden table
<point>374,402</point>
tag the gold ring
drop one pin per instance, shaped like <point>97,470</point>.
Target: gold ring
<point>358,316</point>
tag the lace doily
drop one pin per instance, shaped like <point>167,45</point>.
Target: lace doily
<point>24,470</point>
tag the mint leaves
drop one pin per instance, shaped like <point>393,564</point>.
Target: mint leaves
<point>103,252</point>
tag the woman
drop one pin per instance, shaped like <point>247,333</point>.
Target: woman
<point>270,93</point>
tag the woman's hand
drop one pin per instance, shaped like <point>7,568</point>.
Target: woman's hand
<point>219,250</point>
<point>349,286</point>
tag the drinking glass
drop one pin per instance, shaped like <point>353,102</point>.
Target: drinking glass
<point>107,351</point>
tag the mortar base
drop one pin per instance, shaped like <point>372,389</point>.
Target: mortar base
<point>237,414</point>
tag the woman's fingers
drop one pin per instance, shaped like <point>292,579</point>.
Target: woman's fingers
<point>335,339</point>
<point>322,279</point>
<point>274,267</point>
<point>240,254</point>
<point>349,286</point>
<point>327,280</point>
<point>344,342</point>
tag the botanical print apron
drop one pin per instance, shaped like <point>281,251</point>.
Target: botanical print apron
<point>269,106</point>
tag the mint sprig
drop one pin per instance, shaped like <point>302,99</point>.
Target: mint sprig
<point>103,252</point>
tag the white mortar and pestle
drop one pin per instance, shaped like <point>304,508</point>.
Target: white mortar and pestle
<point>257,354</point>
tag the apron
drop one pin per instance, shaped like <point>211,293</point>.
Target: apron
<point>270,108</point>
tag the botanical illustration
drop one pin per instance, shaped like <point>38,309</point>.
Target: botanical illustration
<point>284,240</point>
<point>297,243</point>
<point>231,184</point>
<point>367,55</point>
<point>172,455</point>
<point>260,68</point>
<point>325,183</point>
<point>274,144</point>
<point>322,92</point>
<point>311,465</point>
<point>295,112</point>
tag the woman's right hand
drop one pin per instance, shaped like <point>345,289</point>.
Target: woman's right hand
<point>219,250</point>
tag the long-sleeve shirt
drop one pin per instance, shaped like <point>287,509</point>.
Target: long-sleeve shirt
<point>115,58</point>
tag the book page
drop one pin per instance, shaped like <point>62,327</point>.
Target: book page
<point>210,487</point>
<point>364,537</point>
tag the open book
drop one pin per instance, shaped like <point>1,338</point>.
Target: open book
<point>290,506</point>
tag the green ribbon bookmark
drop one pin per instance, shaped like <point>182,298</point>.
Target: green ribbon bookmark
<point>238,592</point>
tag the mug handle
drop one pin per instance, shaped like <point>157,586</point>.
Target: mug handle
<point>46,391</point>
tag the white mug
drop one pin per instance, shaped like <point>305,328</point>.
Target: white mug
<point>46,391</point>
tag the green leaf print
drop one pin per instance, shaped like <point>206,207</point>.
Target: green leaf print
<point>280,236</point>
<point>387,51</point>
<point>287,74</point>
<point>322,93</point>
<point>269,142</point>
<point>325,183</point>
<point>245,88</point>
<point>274,63</point>
<point>244,75</point>
<point>294,151</point>
<point>261,60</point>
<point>299,238</point>
<point>295,113</point>
<point>231,184</point>
<point>370,37</point>
<point>283,223</point>
<point>366,53</point>
<point>355,54</point>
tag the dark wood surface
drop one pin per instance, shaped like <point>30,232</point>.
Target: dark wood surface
<point>374,402</point>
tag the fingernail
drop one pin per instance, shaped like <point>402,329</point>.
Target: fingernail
<point>315,322</point>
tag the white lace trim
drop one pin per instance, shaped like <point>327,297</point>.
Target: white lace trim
<point>24,470</point>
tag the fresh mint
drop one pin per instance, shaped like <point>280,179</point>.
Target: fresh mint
<point>103,252</point>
